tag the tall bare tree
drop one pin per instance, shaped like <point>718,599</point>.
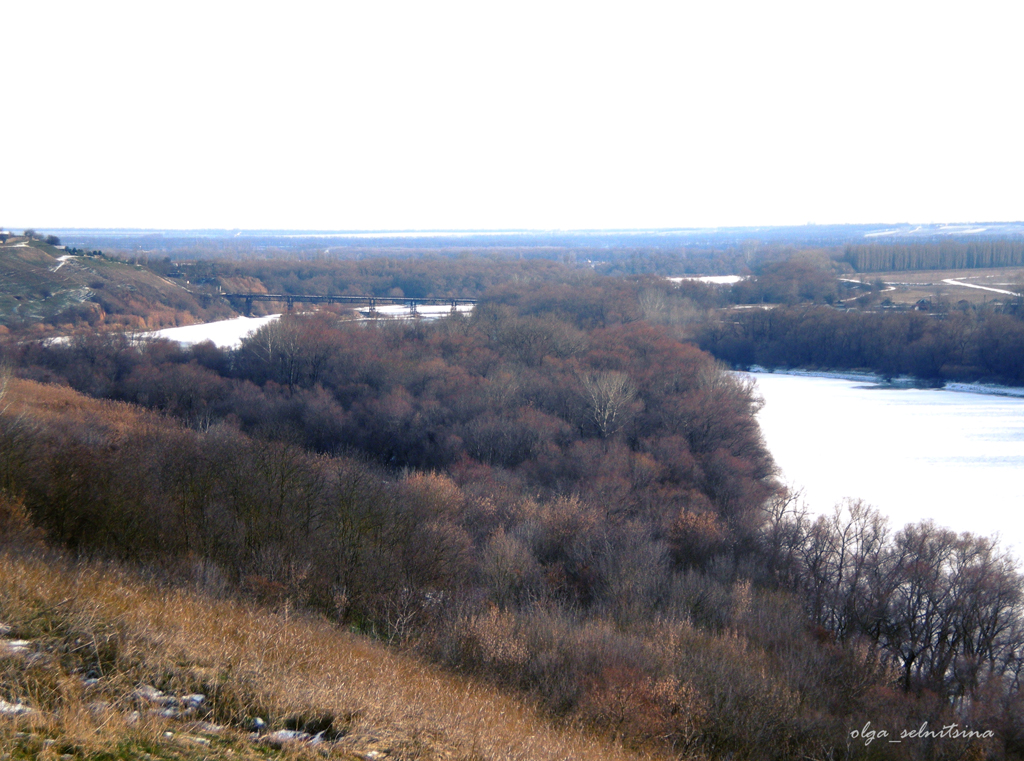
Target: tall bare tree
<point>610,395</point>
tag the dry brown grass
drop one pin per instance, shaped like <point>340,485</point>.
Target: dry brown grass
<point>249,662</point>
<point>53,405</point>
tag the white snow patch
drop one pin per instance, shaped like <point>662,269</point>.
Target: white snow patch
<point>888,286</point>
<point>961,230</point>
<point>950,281</point>
<point>63,260</point>
<point>14,709</point>
<point>714,279</point>
<point>14,646</point>
<point>224,333</point>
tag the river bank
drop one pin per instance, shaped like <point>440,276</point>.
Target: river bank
<point>875,379</point>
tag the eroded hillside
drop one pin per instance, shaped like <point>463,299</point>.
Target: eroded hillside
<point>46,289</point>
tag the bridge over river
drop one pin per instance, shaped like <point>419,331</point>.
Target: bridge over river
<point>372,301</point>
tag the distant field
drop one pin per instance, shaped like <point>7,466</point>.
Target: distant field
<point>910,287</point>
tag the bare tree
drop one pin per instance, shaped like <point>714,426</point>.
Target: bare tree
<point>944,608</point>
<point>654,305</point>
<point>609,395</point>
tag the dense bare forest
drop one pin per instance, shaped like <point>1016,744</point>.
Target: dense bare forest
<point>559,494</point>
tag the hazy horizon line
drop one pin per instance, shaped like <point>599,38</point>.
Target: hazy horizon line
<point>497,230</point>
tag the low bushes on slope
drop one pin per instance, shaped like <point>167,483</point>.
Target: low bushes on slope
<point>96,634</point>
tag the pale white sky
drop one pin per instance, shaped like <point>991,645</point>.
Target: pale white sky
<point>440,115</point>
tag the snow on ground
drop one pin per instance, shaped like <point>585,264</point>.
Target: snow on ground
<point>229,333</point>
<point>63,260</point>
<point>14,646</point>
<point>224,333</point>
<point>888,286</point>
<point>951,281</point>
<point>426,312</point>
<point>961,230</point>
<point>14,709</point>
<point>716,279</point>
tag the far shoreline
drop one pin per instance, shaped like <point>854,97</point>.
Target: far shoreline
<point>903,381</point>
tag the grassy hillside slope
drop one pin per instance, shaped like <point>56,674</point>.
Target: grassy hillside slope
<point>89,640</point>
<point>45,289</point>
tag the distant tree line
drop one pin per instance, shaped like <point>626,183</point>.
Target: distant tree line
<point>946,255</point>
<point>51,240</point>
<point>964,344</point>
<point>427,276</point>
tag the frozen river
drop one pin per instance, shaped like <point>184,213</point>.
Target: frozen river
<point>955,457</point>
<point>228,334</point>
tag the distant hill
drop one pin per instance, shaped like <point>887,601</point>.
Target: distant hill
<point>45,287</point>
